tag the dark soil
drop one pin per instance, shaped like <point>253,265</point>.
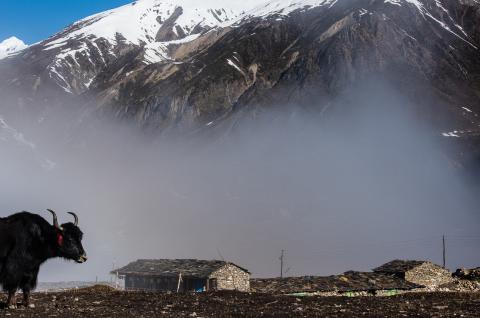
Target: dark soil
<point>104,302</point>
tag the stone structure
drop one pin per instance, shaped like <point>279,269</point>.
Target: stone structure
<point>395,277</point>
<point>418,272</point>
<point>184,275</point>
<point>347,284</point>
<point>231,277</point>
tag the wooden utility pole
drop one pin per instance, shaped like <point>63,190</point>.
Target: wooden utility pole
<point>112,276</point>
<point>281,263</point>
<point>443,241</point>
<point>179,282</point>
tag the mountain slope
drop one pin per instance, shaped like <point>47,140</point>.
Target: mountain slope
<point>181,69</point>
<point>75,56</point>
<point>304,54</point>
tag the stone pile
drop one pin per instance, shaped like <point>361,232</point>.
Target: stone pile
<point>430,275</point>
<point>423,273</point>
<point>470,274</point>
<point>349,283</point>
<point>461,285</point>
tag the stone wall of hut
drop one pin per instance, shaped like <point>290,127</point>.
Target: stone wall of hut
<point>429,275</point>
<point>230,277</point>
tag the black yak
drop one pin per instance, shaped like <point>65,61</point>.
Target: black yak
<point>26,241</point>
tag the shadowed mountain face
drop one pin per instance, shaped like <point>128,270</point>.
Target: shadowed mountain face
<point>175,77</point>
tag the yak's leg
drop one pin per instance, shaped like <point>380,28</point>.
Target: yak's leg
<point>29,284</point>
<point>11,301</point>
<point>26,298</point>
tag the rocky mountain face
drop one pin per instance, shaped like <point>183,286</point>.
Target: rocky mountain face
<point>164,65</point>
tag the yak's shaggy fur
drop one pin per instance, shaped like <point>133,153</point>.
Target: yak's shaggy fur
<point>26,241</point>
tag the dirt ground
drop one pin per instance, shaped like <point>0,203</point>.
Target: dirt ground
<point>102,301</point>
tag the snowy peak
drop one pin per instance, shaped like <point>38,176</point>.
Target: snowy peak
<point>141,22</point>
<point>285,7</point>
<point>10,46</point>
<point>98,40</point>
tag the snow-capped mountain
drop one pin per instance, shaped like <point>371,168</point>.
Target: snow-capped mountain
<point>152,25</point>
<point>162,64</point>
<point>141,21</point>
<point>10,46</point>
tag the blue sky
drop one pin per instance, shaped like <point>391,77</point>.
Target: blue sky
<point>35,20</point>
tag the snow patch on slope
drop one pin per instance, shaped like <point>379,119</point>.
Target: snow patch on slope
<point>11,46</point>
<point>158,51</point>
<point>285,7</point>
<point>426,13</point>
<point>235,66</point>
<point>451,134</point>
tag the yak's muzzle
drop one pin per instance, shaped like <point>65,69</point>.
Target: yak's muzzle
<point>82,259</point>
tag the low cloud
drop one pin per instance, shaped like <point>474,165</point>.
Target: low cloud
<point>358,185</point>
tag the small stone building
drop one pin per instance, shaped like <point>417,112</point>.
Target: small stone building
<point>418,272</point>
<point>184,275</point>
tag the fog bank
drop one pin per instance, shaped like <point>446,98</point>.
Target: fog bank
<point>348,188</point>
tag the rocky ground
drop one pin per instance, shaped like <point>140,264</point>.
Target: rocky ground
<point>105,302</point>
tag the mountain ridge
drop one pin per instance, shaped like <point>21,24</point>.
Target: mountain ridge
<point>282,53</point>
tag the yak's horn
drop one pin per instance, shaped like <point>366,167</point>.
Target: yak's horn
<point>55,221</point>
<point>75,216</point>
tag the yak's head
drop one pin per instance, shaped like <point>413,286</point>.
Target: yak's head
<point>69,239</point>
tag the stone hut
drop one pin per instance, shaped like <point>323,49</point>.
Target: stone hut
<point>418,272</point>
<point>183,275</point>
